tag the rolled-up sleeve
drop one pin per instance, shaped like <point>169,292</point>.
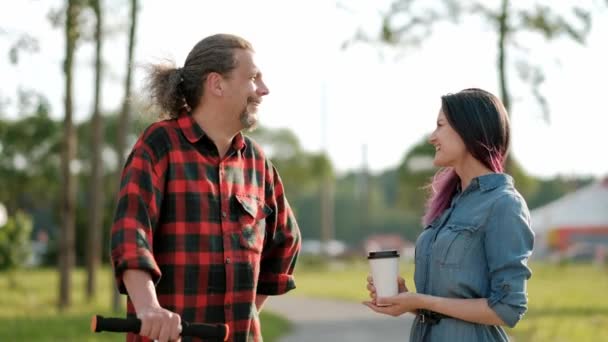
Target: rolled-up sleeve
<point>136,215</point>
<point>283,244</point>
<point>508,243</point>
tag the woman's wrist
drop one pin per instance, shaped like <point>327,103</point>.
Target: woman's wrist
<point>423,302</point>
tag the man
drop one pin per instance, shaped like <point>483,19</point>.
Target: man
<point>203,231</point>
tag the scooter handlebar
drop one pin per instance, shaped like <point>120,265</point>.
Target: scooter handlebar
<point>133,325</point>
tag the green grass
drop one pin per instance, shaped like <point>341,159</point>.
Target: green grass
<point>339,280</point>
<point>28,312</point>
<point>566,303</point>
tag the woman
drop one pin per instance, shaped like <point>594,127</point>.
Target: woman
<point>471,259</point>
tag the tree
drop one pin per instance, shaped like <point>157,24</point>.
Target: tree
<point>414,174</point>
<point>23,43</point>
<point>405,24</point>
<point>67,236</point>
<point>542,19</point>
<point>126,112</point>
<point>32,140</point>
<point>15,243</point>
<point>97,142</point>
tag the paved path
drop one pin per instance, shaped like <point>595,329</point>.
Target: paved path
<point>320,320</point>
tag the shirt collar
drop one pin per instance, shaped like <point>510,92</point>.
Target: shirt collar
<point>193,132</point>
<point>492,181</point>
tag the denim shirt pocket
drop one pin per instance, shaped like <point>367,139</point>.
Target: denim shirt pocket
<point>455,243</point>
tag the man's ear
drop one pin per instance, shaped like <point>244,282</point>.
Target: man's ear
<point>215,84</point>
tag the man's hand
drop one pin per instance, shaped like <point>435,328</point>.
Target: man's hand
<point>156,323</point>
<point>159,324</point>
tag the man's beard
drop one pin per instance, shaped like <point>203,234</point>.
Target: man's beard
<point>249,119</point>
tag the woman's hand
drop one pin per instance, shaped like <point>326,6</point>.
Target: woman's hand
<point>394,306</point>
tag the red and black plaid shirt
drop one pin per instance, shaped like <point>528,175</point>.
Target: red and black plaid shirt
<point>211,232</point>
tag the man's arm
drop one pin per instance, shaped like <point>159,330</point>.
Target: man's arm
<point>283,240</point>
<point>156,323</point>
<point>141,290</point>
<point>259,301</point>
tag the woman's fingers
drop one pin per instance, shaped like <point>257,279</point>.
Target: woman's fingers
<point>387,310</point>
<point>401,285</point>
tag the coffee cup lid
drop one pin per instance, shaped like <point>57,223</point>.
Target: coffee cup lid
<point>383,254</point>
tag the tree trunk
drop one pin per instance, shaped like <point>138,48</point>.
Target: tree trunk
<point>503,33</point>
<point>125,115</point>
<point>96,190</point>
<point>66,241</point>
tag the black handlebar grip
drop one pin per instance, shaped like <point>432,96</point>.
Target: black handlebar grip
<point>133,325</point>
<point>100,323</point>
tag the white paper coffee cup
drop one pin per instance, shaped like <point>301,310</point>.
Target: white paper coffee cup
<point>385,270</point>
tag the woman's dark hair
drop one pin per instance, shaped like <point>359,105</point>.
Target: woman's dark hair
<point>481,121</point>
<point>176,90</point>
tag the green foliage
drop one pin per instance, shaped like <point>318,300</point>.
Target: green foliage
<point>29,313</point>
<point>393,202</point>
<point>15,241</point>
<point>415,173</point>
<point>551,189</point>
<point>408,23</point>
<point>566,303</point>
<point>524,183</point>
<point>546,21</point>
<point>301,171</point>
<point>29,166</point>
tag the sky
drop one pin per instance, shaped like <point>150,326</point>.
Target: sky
<point>342,100</point>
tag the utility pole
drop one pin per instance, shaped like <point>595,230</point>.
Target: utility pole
<point>326,190</point>
<point>364,190</point>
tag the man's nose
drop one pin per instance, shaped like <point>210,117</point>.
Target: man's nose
<point>263,89</point>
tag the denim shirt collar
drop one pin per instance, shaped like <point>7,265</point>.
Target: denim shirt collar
<point>492,180</point>
<point>486,182</point>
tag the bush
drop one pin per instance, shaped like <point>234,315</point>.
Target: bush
<point>15,246</point>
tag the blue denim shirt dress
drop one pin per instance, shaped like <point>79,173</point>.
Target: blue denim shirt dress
<point>477,248</point>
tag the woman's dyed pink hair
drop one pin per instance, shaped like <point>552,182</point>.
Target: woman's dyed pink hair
<point>481,120</point>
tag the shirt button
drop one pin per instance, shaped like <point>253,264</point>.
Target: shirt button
<point>227,260</point>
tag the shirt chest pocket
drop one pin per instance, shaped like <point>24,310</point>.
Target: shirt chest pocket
<point>453,243</point>
<point>252,222</point>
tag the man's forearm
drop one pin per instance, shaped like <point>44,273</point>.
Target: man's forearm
<point>259,301</point>
<point>141,289</point>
